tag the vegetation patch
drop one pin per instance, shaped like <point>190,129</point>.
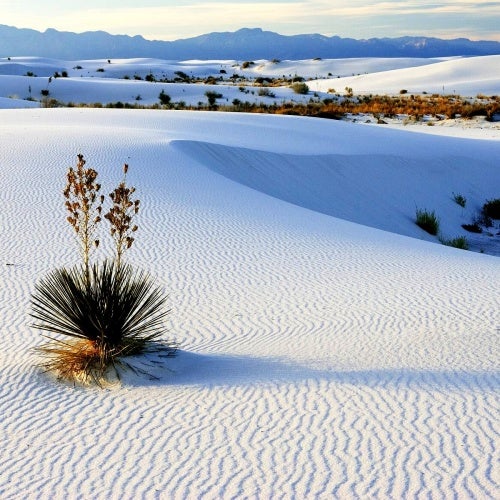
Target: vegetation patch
<point>459,199</point>
<point>491,209</point>
<point>300,88</point>
<point>428,221</point>
<point>458,242</point>
<point>98,314</point>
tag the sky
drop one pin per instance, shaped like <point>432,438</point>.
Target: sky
<point>172,20</point>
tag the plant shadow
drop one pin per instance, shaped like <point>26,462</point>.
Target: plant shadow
<point>216,370</point>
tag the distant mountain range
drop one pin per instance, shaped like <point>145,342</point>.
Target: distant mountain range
<point>244,44</point>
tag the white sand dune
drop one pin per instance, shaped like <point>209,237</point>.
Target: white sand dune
<point>100,81</point>
<point>467,77</point>
<point>320,357</point>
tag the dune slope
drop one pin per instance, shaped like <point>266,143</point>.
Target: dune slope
<point>319,357</point>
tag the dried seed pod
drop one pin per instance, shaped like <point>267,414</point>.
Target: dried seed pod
<point>83,204</point>
<point>120,216</point>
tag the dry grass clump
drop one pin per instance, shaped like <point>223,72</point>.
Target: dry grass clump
<point>96,315</point>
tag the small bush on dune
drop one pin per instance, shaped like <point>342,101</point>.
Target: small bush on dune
<point>105,311</point>
<point>212,98</point>
<point>428,221</point>
<point>491,209</point>
<point>164,98</point>
<point>458,242</point>
<point>300,88</point>
<point>459,200</point>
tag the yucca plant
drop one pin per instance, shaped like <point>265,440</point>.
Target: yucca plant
<point>118,312</point>
<point>103,311</point>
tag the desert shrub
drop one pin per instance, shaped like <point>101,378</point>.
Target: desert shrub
<point>458,242</point>
<point>300,88</point>
<point>482,219</point>
<point>164,98</point>
<point>212,97</point>
<point>181,76</point>
<point>428,221</point>
<point>104,311</point>
<point>459,199</point>
<point>266,92</point>
<point>491,209</point>
<point>50,103</point>
<point>116,313</point>
<point>247,64</point>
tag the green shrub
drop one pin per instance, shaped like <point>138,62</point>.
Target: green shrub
<point>428,221</point>
<point>300,88</point>
<point>164,98</point>
<point>212,97</point>
<point>491,209</point>
<point>458,242</point>
<point>459,199</point>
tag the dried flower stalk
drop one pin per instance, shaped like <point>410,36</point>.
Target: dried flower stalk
<point>121,216</point>
<point>84,207</point>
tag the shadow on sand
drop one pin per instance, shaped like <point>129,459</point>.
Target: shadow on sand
<point>195,369</point>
